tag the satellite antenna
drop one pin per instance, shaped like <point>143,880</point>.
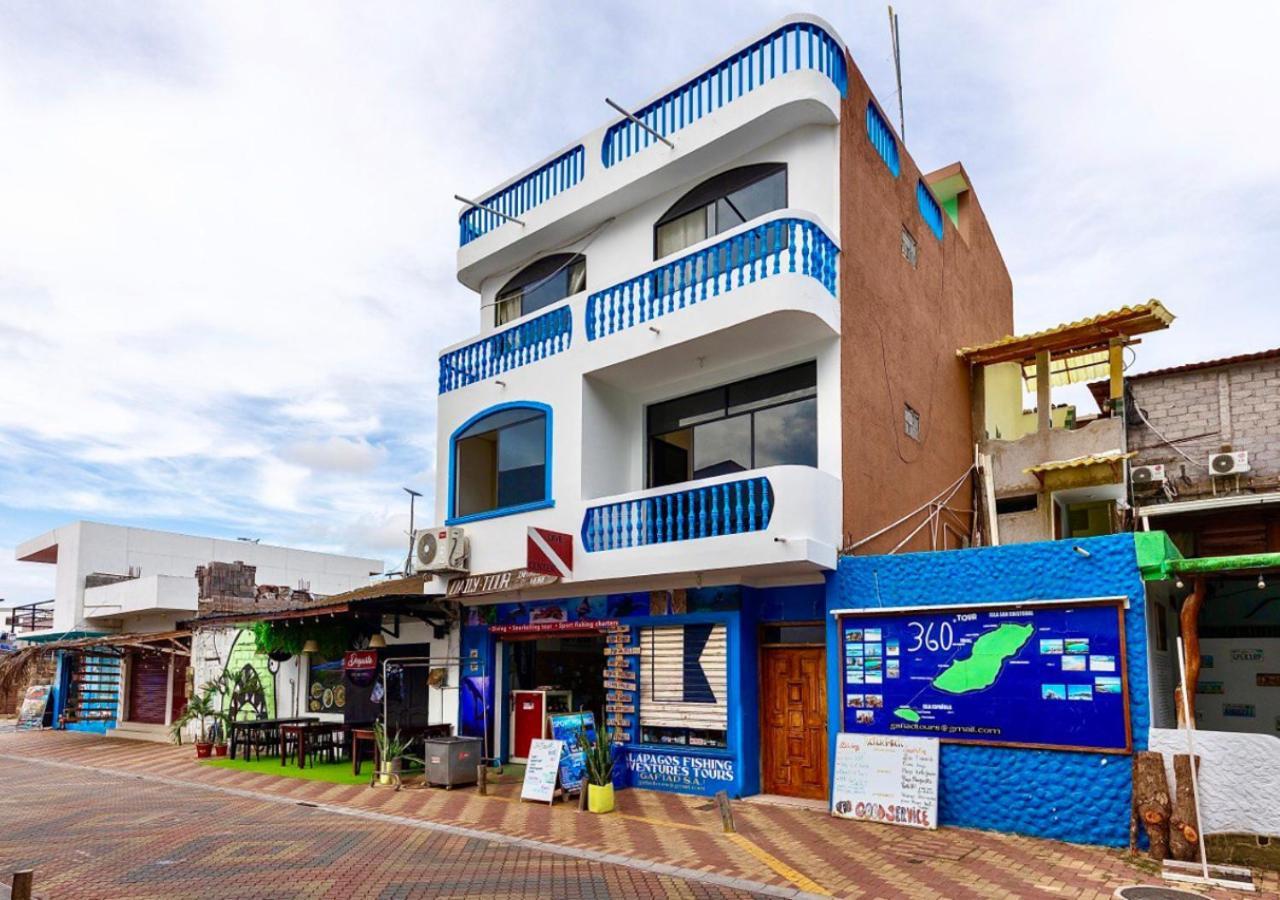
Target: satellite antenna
<point>897,70</point>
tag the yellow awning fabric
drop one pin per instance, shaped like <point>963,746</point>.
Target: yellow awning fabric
<point>1080,462</point>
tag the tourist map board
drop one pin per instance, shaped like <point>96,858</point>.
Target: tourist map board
<point>1048,674</point>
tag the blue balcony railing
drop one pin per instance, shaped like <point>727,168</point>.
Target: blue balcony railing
<point>732,507</point>
<point>798,45</point>
<point>795,246</point>
<point>528,342</point>
<point>537,187</point>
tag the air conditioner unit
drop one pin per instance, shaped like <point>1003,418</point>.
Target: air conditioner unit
<point>1229,463</point>
<point>1142,475</point>
<point>442,549</point>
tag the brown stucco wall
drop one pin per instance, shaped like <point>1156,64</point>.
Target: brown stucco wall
<point>901,327</point>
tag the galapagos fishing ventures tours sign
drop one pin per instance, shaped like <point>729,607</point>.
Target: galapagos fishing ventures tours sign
<point>1045,674</point>
<point>886,779</point>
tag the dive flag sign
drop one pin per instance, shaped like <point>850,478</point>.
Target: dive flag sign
<point>549,552</point>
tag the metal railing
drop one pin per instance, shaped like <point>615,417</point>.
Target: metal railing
<point>31,617</point>
<point>538,338</point>
<point>797,45</point>
<point>731,507</point>
<point>787,245</point>
<point>537,187</point>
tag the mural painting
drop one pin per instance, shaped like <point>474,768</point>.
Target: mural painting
<point>255,693</point>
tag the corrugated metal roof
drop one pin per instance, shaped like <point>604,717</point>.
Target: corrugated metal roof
<point>1083,335</point>
<point>1210,363</point>
<point>1079,462</point>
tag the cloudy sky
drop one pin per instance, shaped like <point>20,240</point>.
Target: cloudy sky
<point>227,236</point>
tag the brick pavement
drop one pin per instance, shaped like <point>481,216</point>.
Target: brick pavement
<point>785,847</point>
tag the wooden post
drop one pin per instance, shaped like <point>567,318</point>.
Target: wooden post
<point>482,779</point>
<point>1189,625</point>
<point>978,403</point>
<point>1044,403</point>
<point>726,812</point>
<point>582,795</point>
<point>1115,359</point>
<point>1151,798</point>
<point>1184,829</point>
<point>21,889</point>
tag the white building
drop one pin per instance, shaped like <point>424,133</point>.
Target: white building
<point>702,343</point>
<point>113,579</point>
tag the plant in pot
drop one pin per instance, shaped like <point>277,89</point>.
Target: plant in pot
<point>218,734</point>
<point>199,709</point>
<point>600,762</point>
<point>391,753</point>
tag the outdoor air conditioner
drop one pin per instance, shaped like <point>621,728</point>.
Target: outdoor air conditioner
<point>1229,463</point>
<point>442,549</point>
<point>1144,475</point>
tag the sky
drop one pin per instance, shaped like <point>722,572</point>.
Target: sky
<point>228,233</point>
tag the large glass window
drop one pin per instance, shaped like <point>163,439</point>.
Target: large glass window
<point>721,203</point>
<point>769,420</point>
<point>500,461</point>
<point>540,284</point>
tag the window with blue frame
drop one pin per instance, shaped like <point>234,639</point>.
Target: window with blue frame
<point>500,462</point>
<point>881,137</point>
<point>929,209</point>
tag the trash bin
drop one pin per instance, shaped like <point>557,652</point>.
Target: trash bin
<point>451,761</point>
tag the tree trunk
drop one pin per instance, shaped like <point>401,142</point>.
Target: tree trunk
<point>1151,798</point>
<point>1189,626</point>
<point>1184,828</point>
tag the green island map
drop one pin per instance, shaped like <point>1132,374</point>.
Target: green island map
<point>980,669</point>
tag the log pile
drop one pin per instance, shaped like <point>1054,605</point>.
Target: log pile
<point>1169,819</point>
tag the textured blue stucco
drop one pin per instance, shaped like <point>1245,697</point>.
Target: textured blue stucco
<point>1070,796</point>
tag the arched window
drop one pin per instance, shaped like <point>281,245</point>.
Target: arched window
<point>500,462</point>
<point>720,203</point>
<point>540,284</point>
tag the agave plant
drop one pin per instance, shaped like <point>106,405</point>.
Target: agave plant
<point>600,759</point>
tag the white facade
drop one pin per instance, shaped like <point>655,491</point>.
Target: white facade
<point>597,389</point>
<point>164,589</point>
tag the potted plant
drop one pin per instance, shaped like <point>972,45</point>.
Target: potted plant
<point>391,753</point>
<point>600,762</point>
<point>200,709</point>
<point>218,734</point>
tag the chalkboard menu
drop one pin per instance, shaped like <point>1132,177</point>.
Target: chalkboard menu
<point>541,770</point>
<point>886,779</point>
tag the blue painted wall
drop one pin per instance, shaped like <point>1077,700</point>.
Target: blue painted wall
<point>1070,796</point>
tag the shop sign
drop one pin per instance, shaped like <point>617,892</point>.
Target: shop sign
<point>620,696</point>
<point>619,707</point>
<point>618,638</point>
<point>621,651</point>
<point>680,772</point>
<point>359,660</point>
<point>1239,710</point>
<point>879,778</point>
<point>619,685</point>
<point>499,582</point>
<point>620,737</point>
<point>31,713</point>
<point>1251,654</point>
<point>541,770</point>
<point>545,627</point>
<point>549,552</point>
<point>1269,679</point>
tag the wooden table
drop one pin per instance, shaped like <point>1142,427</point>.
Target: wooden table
<point>363,734</point>
<point>301,731</point>
<point>254,724</point>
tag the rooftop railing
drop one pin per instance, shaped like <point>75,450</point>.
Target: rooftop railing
<point>514,200</point>
<point>797,45</point>
<point>787,245</point>
<point>31,617</point>
<point>726,508</point>
<point>528,342</point>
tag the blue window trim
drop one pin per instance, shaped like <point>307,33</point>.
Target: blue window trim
<point>882,139</point>
<point>545,503</point>
<point>930,211</point>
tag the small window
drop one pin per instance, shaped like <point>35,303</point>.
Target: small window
<point>929,209</point>
<point>881,137</point>
<point>1024,503</point>
<point>910,252</point>
<point>769,420</point>
<point>719,204</point>
<point>500,462</point>
<point>911,422</point>
<point>540,284</point>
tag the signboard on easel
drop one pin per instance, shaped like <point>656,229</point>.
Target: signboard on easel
<point>573,765</point>
<point>542,770</point>
<point>880,778</point>
<point>31,713</point>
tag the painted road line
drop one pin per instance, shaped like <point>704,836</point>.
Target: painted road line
<point>461,831</point>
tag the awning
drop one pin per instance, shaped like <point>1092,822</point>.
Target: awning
<point>14,666</point>
<point>1080,462</point>
<point>410,588</point>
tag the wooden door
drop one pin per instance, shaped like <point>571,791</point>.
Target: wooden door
<point>180,664</point>
<point>793,727</point>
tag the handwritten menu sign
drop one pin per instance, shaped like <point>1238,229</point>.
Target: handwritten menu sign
<point>879,778</point>
<point>541,770</point>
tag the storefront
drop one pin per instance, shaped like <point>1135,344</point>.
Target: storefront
<point>676,675</point>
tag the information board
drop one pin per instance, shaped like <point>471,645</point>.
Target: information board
<point>879,778</point>
<point>31,713</point>
<point>1043,675</point>
<point>541,770</point>
<point>565,727</point>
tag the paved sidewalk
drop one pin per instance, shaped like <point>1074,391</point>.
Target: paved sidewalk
<point>791,849</point>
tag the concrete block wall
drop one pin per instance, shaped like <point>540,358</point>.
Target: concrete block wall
<point>1202,410</point>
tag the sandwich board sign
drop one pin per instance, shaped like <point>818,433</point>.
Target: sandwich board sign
<point>542,771</point>
<point>31,713</point>
<point>882,778</point>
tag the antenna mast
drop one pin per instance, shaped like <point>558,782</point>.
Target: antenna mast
<point>897,69</point>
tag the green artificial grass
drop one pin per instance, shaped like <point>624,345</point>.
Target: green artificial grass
<point>334,773</point>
